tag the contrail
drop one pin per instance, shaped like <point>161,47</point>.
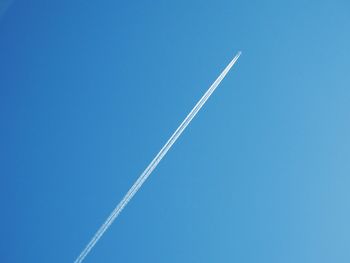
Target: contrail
<point>146,173</point>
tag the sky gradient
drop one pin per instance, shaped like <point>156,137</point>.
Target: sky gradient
<point>89,93</point>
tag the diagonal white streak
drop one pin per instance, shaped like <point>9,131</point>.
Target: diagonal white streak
<point>146,173</point>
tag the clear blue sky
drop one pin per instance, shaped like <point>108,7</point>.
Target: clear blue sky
<point>90,91</point>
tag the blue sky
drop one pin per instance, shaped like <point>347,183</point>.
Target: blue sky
<point>89,92</point>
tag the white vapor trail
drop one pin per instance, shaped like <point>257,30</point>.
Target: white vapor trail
<point>146,173</point>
